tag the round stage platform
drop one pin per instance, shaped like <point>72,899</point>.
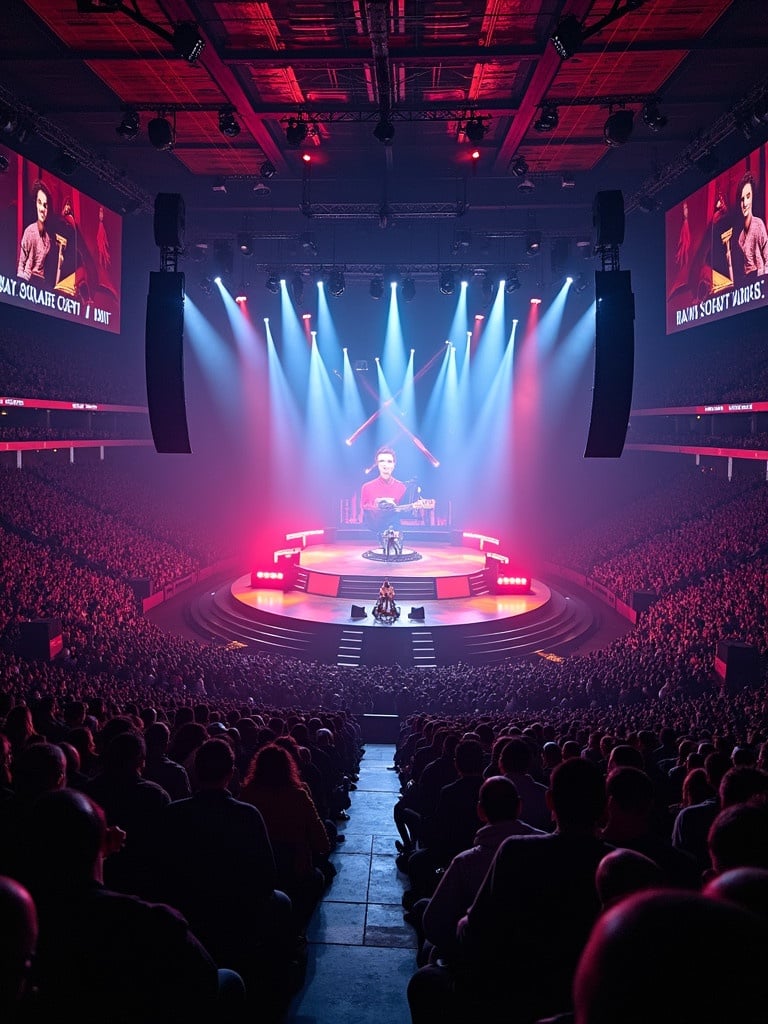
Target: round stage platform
<point>447,614</point>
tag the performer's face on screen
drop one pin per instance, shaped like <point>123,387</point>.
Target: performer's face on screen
<point>746,202</point>
<point>386,465</point>
<point>41,203</point>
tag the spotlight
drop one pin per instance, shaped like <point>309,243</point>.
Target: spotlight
<point>4,164</point>
<point>447,282</point>
<point>618,127</point>
<point>267,169</point>
<point>295,132</point>
<point>336,283</point>
<point>272,284</point>
<point>535,302</point>
<point>548,119</point>
<point>245,243</point>
<point>307,158</point>
<point>512,282</point>
<point>653,117</point>
<point>526,186</point>
<point>376,288</point>
<point>475,130</point>
<point>533,243</point>
<point>409,289</point>
<point>241,298</point>
<point>160,132</point>
<point>520,167</point>
<point>384,131</point>
<point>129,127</point>
<point>261,190</point>
<point>568,36</point>
<point>187,41</point>
<point>228,123</point>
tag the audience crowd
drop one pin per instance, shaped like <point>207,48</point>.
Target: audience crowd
<point>194,791</point>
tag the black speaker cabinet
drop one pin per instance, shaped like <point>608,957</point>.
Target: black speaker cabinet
<point>739,663</point>
<point>614,364</point>
<point>358,612</point>
<point>608,218</point>
<point>40,639</point>
<point>170,220</point>
<point>165,363</point>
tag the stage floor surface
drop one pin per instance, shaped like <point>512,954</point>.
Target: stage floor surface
<point>436,562</point>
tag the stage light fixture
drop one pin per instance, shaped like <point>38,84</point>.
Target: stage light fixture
<point>447,282</point>
<point>533,243</point>
<point>526,186</point>
<point>272,284</point>
<point>160,133</point>
<point>548,119</point>
<point>295,132</point>
<point>475,129</point>
<point>228,123</point>
<point>409,289</point>
<point>309,243</point>
<point>187,41</point>
<point>376,288</point>
<point>618,127</point>
<point>512,283</point>
<point>130,125</point>
<point>568,36</point>
<point>520,167</point>
<point>245,243</point>
<point>653,117</point>
<point>336,283</point>
<point>384,131</point>
<point>581,283</point>
<point>267,169</point>
<point>307,158</point>
<point>4,164</point>
<point>297,287</point>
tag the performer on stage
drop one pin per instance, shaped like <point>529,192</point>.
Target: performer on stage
<point>385,607</point>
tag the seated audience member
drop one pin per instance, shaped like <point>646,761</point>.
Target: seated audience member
<point>216,865</point>
<point>102,954</point>
<point>520,940</point>
<point>739,838</point>
<point>515,762</point>
<point>748,887</point>
<point>296,833</point>
<point>498,807</point>
<point>622,873</point>
<point>692,823</point>
<point>135,805</point>
<point>629,815</point>
<point>18,940</point>
<point>159,767</point>
<point>640,953</point>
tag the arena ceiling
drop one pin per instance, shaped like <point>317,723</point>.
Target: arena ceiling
<point>446,77</point>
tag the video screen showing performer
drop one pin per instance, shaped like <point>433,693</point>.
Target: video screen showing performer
<point>380,498</point>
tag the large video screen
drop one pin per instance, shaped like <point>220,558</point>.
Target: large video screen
<point>717,247</point>
<point>60,250</point>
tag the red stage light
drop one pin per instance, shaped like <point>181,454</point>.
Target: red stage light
<point>241,298</point>
<point>475,154</point>
<point>307,158</point>
<point>535,302</point>
<point>306,316</point>
<point>503,583</point>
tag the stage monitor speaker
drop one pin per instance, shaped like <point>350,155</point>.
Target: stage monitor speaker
<point>614,364</point>
<point>170,220</point>
<point>358,612</point>
<point>608,218</point>
<point>165,363</point>
<point>417,614</point>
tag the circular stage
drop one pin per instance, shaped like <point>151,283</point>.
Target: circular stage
<point>447,614</point>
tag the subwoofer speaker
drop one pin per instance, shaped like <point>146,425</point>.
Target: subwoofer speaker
<point>614,364</point>
<point>358,612</point>
<point>165,363</point>
<point>417,614</point>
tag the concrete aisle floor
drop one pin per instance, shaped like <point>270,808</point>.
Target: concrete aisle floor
<point>361,952</point>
